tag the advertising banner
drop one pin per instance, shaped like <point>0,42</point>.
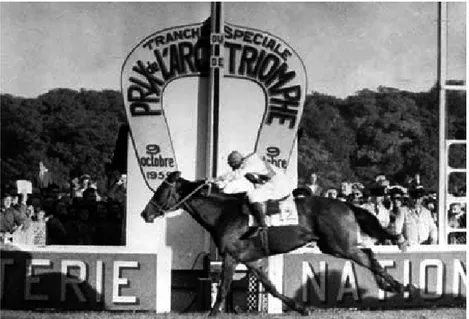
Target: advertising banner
<point>277,69</point>
<point>78,281</point>
<point>165,89</point>
<point>259,57</point>
<point>154,63</point>
<point>324,281</point>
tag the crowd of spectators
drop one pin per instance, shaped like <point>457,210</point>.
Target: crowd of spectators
<point>83,214</point>
<point>91,214</point>
<point>408,209</point>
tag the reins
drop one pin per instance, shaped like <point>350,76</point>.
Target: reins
<point>183,200</point>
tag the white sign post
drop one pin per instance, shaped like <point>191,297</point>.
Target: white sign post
<point>193,94</point>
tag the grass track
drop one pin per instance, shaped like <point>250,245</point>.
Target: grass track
<point>436,313</point>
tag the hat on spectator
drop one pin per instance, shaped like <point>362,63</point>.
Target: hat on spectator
<point>341,196</point>
<point>382,180</point>
<point>302,192</point>
<point>85,176</point>
<point>330,191</point>
<point>377,191</point>
<point>417,192</point>
<point>430,200</point>
<point>432,194</point>
<point>396,192</point>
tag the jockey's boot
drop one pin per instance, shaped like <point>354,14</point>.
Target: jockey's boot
<point>258,210</point>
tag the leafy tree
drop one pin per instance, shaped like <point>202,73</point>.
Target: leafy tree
<point>327,141</point>
<point>387,131</point>
<point>22,141</point>
<point>69,131</point>
<point>388,127</point>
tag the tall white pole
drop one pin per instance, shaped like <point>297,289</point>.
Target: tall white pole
<point>215,79</point>
<point>217,50</point>
<point>443,156</point>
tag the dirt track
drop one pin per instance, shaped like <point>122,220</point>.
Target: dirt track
<point>437,313</point>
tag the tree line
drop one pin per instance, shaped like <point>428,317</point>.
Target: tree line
<point>383,131</point>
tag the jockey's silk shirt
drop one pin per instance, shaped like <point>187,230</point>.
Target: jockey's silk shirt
<point>275,188</point>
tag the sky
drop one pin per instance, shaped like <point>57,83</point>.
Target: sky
<point>345,47</point>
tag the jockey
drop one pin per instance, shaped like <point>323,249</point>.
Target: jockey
<point>269,183</point>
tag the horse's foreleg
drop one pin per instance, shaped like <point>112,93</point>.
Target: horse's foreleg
<point>270,287</point>
<point>228,269</point>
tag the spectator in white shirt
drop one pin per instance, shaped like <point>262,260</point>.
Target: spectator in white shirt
<point>313,185</point>
<point>415,222</point>
<point>375,205</point>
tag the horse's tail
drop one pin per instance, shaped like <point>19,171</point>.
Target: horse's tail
<point>370,225</point>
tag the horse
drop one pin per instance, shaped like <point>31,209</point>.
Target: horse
<point>332,223</point>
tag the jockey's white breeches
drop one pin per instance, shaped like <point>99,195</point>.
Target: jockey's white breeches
<point>277,188</point>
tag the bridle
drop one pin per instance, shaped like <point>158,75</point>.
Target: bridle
<point>164,209</point>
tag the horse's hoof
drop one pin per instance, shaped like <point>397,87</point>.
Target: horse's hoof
<point>411,289</point>
<point>306,311</point>
<point>214,312</point>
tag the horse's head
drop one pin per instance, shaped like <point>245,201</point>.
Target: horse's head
<point>171,194</point>
<point>164,199</point>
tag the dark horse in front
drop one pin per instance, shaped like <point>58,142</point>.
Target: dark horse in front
<point>334,224</point>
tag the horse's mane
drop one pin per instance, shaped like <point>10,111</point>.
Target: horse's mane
<point>218,193</point>
<point>215,191</point>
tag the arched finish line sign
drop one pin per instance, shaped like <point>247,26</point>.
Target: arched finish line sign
<point>218,51</point>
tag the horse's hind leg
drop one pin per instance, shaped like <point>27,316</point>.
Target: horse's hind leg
<point>228,269</point>
<point>270,287</point>
<point>393,284</point>
<point>366,258</point>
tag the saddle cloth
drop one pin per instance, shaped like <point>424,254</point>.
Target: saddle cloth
<point>279,213</point>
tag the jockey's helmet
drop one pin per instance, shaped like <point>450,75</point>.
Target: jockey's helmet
<point>235,159</point>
